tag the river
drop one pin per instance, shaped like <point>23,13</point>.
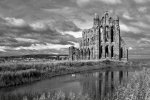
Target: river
<point>94,85</point>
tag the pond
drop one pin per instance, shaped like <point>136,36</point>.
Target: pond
<point>95,85</point>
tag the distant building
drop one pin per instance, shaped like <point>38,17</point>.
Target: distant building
<point>102,41</point>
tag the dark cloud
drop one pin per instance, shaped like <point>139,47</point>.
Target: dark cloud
<point>59,16</point>
<point>46,34</point>
<point>66,26</point>
<point>135,36</point>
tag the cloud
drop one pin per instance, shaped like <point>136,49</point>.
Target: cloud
<point>75,34</point>
<point>144,42</point>
<point>15,22</point>
<point>2,49</point>
<point>140,24</point>
<point>111,1</point>
<point>127,16</point>
<point>142,9</point>
<point>82,2</point>
<point>19,35</point>
<point>43,46</point>
<point>85,2</point>
<point>38,26</point>
<point>32,24</point>
<point>66,26</point>
<point>134,36</point>
<point>26,40</point>
<point>128,28</point>
<point>141,1</point>
<point>130,48</point>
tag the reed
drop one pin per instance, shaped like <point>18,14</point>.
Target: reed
<point>12,74</point>
<point>137,88</point>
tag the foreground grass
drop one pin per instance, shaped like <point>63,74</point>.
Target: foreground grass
<point>12,74</point>
<point>137,88</point>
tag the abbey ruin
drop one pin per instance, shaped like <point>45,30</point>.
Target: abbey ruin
<point>102,41</point>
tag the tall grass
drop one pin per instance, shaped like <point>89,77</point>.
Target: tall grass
<point>12,74</point>
<point>137,88</point>
<point>52,95</point>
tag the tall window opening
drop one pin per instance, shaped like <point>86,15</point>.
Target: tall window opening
<point>112,34</point>
<point>112,51</point>
<point>106,51</point>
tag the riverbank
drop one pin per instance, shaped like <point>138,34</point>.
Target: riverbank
<point>13,74</point>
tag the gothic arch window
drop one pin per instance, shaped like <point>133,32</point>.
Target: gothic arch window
<point>121,52</point>
<point>93,39</point>
<point>110,20</point>
<point>84,42</point>
<point>101,51</point>
<point>112,51</point>
<point>106,51</point>
<point>106,34</point>
<point>88,43</point>
<point>88,51</point>
<point>81,54</point>
<point>112,34</point>
<point>84,53</point>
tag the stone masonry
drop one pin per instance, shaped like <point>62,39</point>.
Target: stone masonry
<point>102,41</point>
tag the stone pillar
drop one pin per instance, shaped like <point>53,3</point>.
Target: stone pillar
<point>103,52</point>
<point>109,34</point>
<point>117,48</point>
<point>127,54</point>
<point>97,43</point>
<point>102,33</point>
<point>96,20</point>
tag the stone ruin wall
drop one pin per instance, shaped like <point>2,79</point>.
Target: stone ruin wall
<point>102,41</point>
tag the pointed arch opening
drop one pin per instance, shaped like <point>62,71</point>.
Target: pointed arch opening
<point>121,52</point>
<point>112,51</point>
<point>81,54</point>
<point>88,43</point>
<point>88,51</point>
<point>86,54</point>
<point>106,51</point>
<point>106,34</point>
<point>100,52</point>
<point>112,34</point>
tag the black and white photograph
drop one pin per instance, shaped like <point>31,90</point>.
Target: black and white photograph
<point>74,49</point>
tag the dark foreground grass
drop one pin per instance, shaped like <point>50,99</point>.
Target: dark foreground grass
<point>12,74</point>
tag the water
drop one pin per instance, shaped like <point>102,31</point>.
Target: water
<point>97,85</point>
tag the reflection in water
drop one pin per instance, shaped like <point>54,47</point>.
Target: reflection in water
<point>104,87</point>
<point>94,86</point>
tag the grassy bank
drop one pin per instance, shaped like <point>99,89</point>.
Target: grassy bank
<point>12,74</point>
<point>137,88</point>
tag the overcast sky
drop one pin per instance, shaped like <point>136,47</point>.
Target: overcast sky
<point>51,26</point>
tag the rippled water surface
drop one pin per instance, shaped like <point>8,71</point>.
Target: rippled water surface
<point>96,85</point>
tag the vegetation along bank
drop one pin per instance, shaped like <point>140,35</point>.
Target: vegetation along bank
<point>13,74</point>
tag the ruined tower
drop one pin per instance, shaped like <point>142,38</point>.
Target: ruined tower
<point>102,41</point>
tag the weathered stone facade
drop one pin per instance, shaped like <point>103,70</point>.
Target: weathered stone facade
<point>102,41</point>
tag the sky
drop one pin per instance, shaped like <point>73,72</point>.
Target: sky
<point>51,26</point>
